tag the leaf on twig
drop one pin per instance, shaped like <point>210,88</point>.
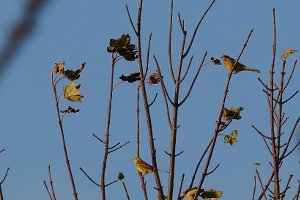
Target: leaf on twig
<point>123,47</point>
<point>215,61</point>
<point>189,194</point>
<point>131,77</point>
<point>154,78</point>
<point>231,138</point>
<point>72,92</point>
<point>58,67</point>
<point>211,194</point>
<point>70,110</point>
<point>232,113</point>
<point>69,73</point>
<point>287,53</point>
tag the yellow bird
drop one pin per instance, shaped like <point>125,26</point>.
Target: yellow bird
<point>229,64</point>
<point>144,167</point>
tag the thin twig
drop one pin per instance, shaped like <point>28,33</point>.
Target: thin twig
<point>254,188</point>
<point>197,27</point>
<point>180,187</point>
<point>119,147</point>
<point>90,179</point>
<point>170,41</point>
<point>194,80</point>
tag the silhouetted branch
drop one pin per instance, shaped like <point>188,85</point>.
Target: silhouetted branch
<point>180,187</point>
<point>98,138</point>
<point>254,188</point>
<point>130,19</point>
<point>119,147</point>
<point>197,27</point>
<point>92,180</point>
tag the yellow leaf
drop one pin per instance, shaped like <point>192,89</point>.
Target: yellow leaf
<point>72,92</point>
<point>58,67</point>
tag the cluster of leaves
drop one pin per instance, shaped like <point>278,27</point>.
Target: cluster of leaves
<point>123,47</point>
<point>71,91</point>
<point>69,73</point>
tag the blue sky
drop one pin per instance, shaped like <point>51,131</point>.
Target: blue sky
<point>79,31</point>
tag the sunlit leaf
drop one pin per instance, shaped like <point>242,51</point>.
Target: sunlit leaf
<point>121,176</point>
<point>287,53</point>
<point>70,110</point>
<point>189,194</point>
<point>154,78</point>
<point>72,92</point>
<point>58,67</point>
<point>131,77</point>
<point>211,193</point>
<point>231,138</point>
<point>123,47</point>
<point>215,61</point>
<point>232,113</point>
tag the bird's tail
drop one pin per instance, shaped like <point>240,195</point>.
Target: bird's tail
<point>253,70</point>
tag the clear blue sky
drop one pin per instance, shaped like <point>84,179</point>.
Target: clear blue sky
<point>79,31</point>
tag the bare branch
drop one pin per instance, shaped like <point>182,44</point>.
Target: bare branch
<point>254,188</point>
<point>261,184</point>
<point>119,147</point>
<point>180,187</point>
<point>197,27</point>
<point>98,138</point>
<point>290,97</point>
<point>153,100</point>
<point>130,19</point>
<point>148,55</point>
<point>194,80</point>
<point>170,42</point>
<point>187,69</point>
<point>95,183</point>
<point>45,184</point>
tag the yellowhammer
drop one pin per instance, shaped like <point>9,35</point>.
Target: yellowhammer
<point>144,167</point>
<point>229,64</point>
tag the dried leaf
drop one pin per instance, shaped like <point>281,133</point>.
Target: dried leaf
<point>72,92</point>
<point>215,61</point>
<point>287,53</point>
<point>154,78</point>
<point>58,67</point>
<point>71,74</point>
<point>131,77</point>
<point>70,110</point>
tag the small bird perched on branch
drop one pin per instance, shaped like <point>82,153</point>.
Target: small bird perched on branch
<point>144,167</point>
<point>229,64</point>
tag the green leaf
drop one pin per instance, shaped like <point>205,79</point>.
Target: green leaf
<point>72,92</point>
<point>211,193</point>
<point>231,138</point>
<point>232,113</point>
<point>123,47</point>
